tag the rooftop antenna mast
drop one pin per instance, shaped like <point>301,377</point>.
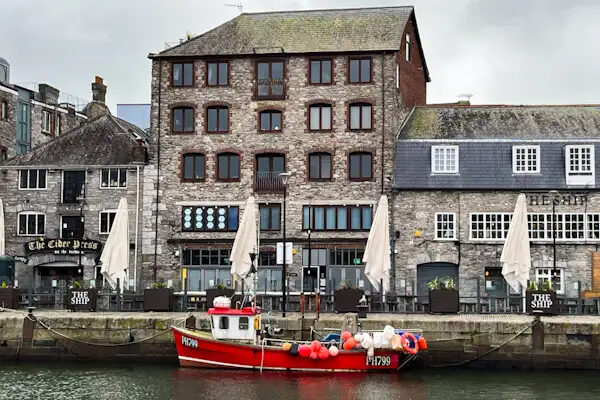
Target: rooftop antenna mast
<point>239,6</point>
<point>467,96</point>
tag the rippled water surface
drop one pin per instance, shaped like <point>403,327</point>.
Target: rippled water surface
<point>92,381</point>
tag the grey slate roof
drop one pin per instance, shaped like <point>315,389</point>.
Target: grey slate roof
<point>106,140</point>
<point>301,32</point>
<point>485,136</point>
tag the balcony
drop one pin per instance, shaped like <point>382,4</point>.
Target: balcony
<point>269,89</point>
<point>268,182</point>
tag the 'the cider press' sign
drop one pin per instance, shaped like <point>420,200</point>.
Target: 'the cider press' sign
<point>62,246</point>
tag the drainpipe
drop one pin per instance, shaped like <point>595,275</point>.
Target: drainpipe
<point>137,228</point>
<point>382,123</point>
<point>157,170</point>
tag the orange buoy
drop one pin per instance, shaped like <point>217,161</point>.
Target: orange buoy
<point>422,343</point>
<point>406,339</point>
<point>286,346</point>
<point>349,344</point>
<point>346,335</point>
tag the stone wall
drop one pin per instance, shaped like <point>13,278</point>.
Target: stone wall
<point>414,211</point>
<point>49,202</point>
<point>293,140</point>
<point>8,126</point>
<point>68,120</point>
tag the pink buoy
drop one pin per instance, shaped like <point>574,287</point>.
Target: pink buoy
<point>333,351</point>
<point>314,355</point>
<point>323,353</point>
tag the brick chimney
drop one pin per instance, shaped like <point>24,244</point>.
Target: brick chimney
<point>97,107</point>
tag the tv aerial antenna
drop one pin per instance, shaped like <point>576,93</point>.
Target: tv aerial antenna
<point>239,6</point>
<point>466,96</point>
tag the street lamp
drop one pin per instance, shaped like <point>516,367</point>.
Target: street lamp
<point>285,176</point>
<point>81,200</point>
<point>554,195</point>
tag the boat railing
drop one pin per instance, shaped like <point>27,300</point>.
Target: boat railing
<point>416,331</point>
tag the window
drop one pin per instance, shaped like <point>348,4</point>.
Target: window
<point>207,268</point>
<point>359,70</point>
<point>217,74</point>
<point>580,166</point>
<point>526,159</point>
<point>46,121</point>
<point>210,219</point>
<point>194,167</point>
<point>183,120</point>
<point>228,167</point>
<point>490,226</point>
<point>71,227</point>
<point>321,72</point>
<point>57,125</point>
<point>270,217</point>
<point>114,178</point>
<point>397,76</point>
<point>407,47</point>
<point>3,154</point>
<point>319,165</point>
<point>361,117</point>
<point>243,324</point>
<point>320,117</point>
<point>183,74</point>
<point>346,266</point>
<point>32,179</point>
<point>270,121</point>
<point>4,110</point>
<point>73,186</point>
<point>217,119</point>
<point>545,274</point>
<point>268,168</point>
<point>269,79</point>
<point>107,218</point>
<point>445,226</point>
<point>23,128</point>
<point>360,166</point>
<point>444,159</point>
<point>223,322</point>
<point>337,218</point>
<point>31,223</point>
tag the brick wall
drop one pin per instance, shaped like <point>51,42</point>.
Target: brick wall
<point>413,84</point>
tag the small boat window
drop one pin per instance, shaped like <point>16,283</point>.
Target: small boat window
<point>243,323</point>
<point>224,323</point>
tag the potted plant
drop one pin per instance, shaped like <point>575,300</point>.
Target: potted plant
<point>9,296</point>
<point>443,296</point>
<point>540,298</point>
<point>347,298</point>
<point>158,297</point>
<point>81,298</point>
<point>217,291</point>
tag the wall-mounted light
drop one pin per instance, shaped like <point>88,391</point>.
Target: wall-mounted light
<point>417,233</point>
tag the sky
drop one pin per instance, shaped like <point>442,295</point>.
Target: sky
<point>500,51</point>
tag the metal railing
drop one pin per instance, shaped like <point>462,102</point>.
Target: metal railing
<point>268,181</point>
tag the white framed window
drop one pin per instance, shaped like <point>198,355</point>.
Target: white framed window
<point>107,218</point>
<point>526,159</point>
<point>397,76</point>
<point>46,121</point>
<point>580,165</point>
<point>3,110</point>
<point>544,274</point>
<point>32,179</point>
<point>407,47</point>
<point>444,159</point>
<point>445,226</point>
<point>31,223</point>
<point>490,226</point>
<point>57,125</point>
<point>112,178</point>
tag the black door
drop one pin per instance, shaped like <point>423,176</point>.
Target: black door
<point>429,271</point>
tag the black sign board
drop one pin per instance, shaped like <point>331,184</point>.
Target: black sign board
<point>62,246</point>
<point>82,299</point>
<point>541,302</point>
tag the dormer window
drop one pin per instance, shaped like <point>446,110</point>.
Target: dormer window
<point>580,165</point>
<point>526,159</point>
<point>444,159</point>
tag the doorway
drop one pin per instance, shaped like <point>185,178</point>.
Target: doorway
<point>57,274</point>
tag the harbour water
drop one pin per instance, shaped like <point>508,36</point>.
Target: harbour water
<point>96,381</point>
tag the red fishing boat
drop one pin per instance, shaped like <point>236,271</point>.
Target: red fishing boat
<point>239,340</point>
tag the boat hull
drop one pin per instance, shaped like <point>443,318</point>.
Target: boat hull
<point>201,351</point>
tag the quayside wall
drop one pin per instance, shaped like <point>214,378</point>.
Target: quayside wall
<point>469,340</point>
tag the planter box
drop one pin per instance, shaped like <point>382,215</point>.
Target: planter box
<point>444,301</point>
<point>541,302</point>
<point>346,300</point>
<point>9,298</point>
<point>158,299</point>
<point>82,299</point>
<point>211,294</point>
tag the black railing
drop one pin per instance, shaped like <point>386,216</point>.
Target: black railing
<point>268,181</point>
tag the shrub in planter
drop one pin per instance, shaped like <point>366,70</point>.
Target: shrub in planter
<point>541,299</point>
<point>443,296</point>
<point>158,298</point>
<point>9,296</point>
<point>347,298</point>
<point>218,291</point>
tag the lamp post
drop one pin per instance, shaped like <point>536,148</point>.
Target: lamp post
<point>253,273</point>
<point>285,176</point>
<point>554,194</point>
<point>81,231</point>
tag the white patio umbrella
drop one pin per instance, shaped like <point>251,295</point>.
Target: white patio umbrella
<point>245,243</point>
<point>2,234</point>
<point>115,254</point>
<point>377,252</point>
<point>516,255</point>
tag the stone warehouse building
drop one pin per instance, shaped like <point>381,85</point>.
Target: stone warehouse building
<point>319,94</point>
<point>459,171</point>
<point>66,191</point>
<point>33,114</point>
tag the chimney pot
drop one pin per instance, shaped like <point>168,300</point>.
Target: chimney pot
<point>99,80</point>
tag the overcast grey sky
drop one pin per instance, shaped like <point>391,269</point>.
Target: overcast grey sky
<point>501,51</point>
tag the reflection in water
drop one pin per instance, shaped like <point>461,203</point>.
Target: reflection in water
<point>93,381</point>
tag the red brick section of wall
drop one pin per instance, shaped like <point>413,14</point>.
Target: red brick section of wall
<point>413,84</point>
